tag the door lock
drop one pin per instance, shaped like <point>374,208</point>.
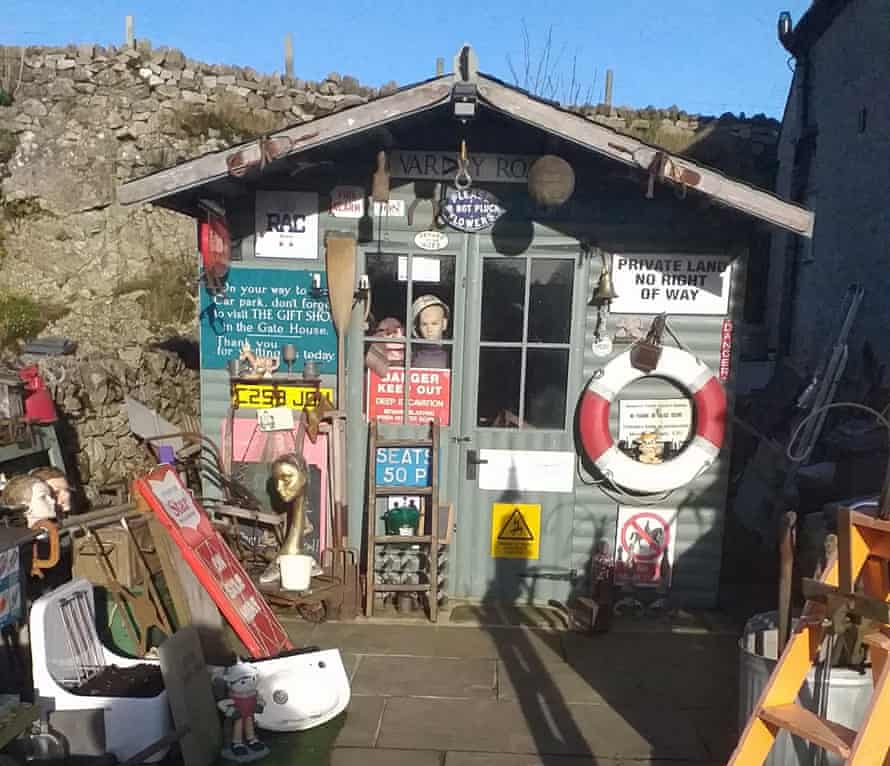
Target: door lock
<point>473,460</point>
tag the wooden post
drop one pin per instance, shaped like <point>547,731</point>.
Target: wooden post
<point>608,95</point>
<point>131,39</point>
<point>440,66</point>
<point>786,570</point>
<point>289,55</point>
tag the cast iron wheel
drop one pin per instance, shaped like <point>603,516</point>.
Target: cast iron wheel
<point>316,612</point>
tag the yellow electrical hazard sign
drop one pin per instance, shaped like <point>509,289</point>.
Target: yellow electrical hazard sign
<point>515,530</point>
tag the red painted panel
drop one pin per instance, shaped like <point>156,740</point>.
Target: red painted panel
<point>213,563</point>
<point>593,423</point>
<point>710,412</point>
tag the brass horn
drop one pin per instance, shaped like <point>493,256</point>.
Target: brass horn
<point>604,292</point>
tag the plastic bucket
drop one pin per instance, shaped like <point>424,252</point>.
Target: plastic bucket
<point>849,693</point>
<point>296,571</point>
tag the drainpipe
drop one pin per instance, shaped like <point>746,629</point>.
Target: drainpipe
<point>800,172</point>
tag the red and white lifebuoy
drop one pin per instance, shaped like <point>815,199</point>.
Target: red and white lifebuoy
<point>709,401</point>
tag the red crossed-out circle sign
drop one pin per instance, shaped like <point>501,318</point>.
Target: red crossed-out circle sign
<point>636,524</point>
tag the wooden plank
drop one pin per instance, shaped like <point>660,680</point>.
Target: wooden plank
<point>211,167</point>
<point>190,692</point>
<point>404,490</point>
<point>402,539</point>
<point>629,151</point>
<point>857,603</point>
<point>799,721</point>
<point>401,588</point>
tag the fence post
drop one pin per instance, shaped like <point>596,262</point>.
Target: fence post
<point>289,55</point>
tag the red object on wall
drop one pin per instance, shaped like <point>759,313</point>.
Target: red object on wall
<point>215,245</point>
<point>39,407</point>
<point>213,563</point>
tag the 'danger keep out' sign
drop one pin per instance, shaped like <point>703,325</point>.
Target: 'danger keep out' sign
<point>429,396</point>
<point>671,283</point>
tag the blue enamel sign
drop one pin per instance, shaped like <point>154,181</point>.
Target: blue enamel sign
<point>403,466</point>
<point>267,308</point>
<point>471,209</point>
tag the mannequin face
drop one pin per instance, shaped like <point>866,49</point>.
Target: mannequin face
<point>432,323</point>
<point>62,493</point>
<point>42,505</point>
<point>289,481</point>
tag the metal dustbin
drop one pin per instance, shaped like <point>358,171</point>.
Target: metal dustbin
<point>849,693</point>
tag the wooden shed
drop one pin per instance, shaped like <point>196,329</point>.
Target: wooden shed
<point>509,251</point>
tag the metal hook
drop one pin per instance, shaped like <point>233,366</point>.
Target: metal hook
<point>463,180</point>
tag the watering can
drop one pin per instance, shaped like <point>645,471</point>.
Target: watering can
<point>399,518</point>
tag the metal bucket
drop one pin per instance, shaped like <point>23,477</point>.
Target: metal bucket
<point>849,693</point>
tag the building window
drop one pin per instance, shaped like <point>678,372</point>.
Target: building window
<point>409,340</point>
<point>524,342</point>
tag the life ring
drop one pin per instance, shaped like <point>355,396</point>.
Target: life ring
<point>709,401</point>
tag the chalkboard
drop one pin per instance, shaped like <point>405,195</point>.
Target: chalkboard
<point>267,308</point>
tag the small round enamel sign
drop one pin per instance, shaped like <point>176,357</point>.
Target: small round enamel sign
<point>431,240</point>
<point>471,209</point>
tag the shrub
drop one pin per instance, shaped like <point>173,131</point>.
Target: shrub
<point>232,120</point>
<point>22,318</point>
<point>169,291</point>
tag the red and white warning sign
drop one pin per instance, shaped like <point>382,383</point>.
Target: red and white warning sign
<point>644,548</point>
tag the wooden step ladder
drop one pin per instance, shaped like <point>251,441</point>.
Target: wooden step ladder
<point>863,550</point>
<point>429,496</point>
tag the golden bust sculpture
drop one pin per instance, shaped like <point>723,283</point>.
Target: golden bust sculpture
<point>290,478</point>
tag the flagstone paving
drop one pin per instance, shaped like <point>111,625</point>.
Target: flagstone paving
<point>515,696</point>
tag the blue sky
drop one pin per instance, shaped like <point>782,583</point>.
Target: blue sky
<point>706,56</point>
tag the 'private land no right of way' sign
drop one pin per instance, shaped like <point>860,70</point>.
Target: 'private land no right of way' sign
<point>671,283</point>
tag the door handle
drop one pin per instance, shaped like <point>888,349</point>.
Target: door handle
<point>473,460</point>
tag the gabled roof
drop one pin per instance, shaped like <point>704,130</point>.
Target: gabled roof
<point>498,96</point>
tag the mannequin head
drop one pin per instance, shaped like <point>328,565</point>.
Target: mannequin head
<point>33,495</point>
<point>290,475</point>
<point>430,318</point>
<point>58,483</point>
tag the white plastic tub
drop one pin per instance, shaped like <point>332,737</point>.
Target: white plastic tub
<point>849,693</point>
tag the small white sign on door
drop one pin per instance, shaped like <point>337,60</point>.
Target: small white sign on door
<point>527,470</point>
<point>286,224</point>
<point>672,283</point>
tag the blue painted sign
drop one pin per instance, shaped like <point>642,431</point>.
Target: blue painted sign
<point>403,466</point>
<point>267,308</point>
<point>471,209</point>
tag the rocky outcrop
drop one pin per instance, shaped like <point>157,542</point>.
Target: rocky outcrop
<point>83,119</point>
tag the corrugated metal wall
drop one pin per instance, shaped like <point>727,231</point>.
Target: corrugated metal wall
<point>700,506</point>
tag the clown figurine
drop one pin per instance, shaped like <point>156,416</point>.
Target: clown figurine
<point>241,705</point>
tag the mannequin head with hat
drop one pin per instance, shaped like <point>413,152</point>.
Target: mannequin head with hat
<point>430,315</point>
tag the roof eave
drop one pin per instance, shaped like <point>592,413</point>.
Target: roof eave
<point>213,167</point>
<point>748,199</point>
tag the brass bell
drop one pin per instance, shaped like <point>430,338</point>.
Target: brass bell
<point>604,292</point>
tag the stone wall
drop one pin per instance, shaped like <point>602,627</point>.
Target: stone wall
<point>85,118</point>
<point>89,391</point>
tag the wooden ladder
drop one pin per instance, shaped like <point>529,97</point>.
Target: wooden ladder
<point>429,501</point>
<point>863,549</point>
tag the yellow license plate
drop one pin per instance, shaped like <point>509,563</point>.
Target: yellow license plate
<point>263,397</point>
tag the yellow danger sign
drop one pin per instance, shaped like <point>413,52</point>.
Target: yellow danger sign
<point>515,530</point>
